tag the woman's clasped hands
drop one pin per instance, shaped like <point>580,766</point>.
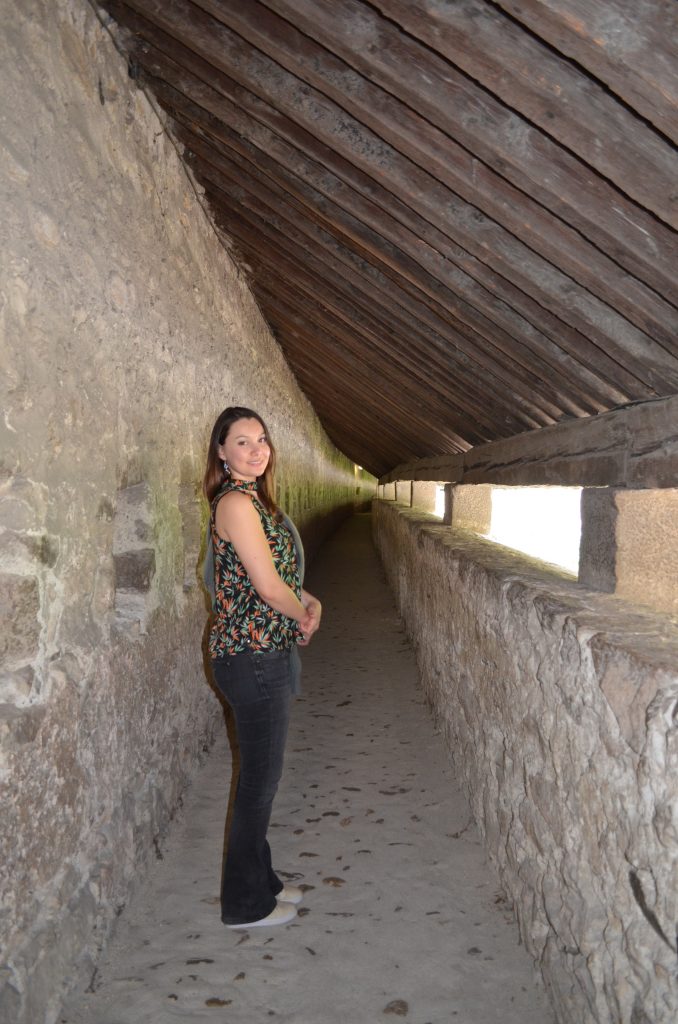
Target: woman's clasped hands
<point>311,621</point>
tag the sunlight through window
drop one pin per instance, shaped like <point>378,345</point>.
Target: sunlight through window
<point>544,522</point>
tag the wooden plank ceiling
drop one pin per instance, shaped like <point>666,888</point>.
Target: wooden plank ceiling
<point>459,218</point>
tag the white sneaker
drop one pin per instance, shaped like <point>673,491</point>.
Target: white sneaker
<point>281,914</point>
<point>290,894</point>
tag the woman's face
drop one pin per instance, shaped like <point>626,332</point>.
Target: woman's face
<point>246,449</point>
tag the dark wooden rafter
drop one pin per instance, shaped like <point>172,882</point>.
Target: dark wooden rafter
<point>548,91</point>
<point>488,244</point>
<point>410,135</point>
<point>275,226</point>
<point>395,62</point>
<point>461,229</point>
<point>381,361</point>
<point>634,447</point>
<point>629,46</point>
<point>497,321</point>
<point>285,262</point>
<point>500,314</point>
<point>336,383</point>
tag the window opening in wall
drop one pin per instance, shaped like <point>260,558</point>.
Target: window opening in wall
<point>439,509</point>
<point>544,522</point>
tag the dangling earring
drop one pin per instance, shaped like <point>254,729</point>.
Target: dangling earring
<point>226,469</point>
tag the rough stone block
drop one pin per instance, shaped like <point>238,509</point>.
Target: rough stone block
<point>647,548</point>
<point>598,544</point>
<point>424,494</point>
<point>19,611</point>
<point>626,683</point>
<point>403,492</point>
<point>10,998</point>
<point>22,504</point>
<point>134,570</point>
<point>191,532</point>
<point>134,559</point>
<point>629,545</point>
<point>16,685</point>
<point>20,551</point>
<point>449,504</point>
<point>133,518</point>
<point>472,507</point>
<point>20,725</point>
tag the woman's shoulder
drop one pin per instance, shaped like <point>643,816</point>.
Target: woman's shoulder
<point>233,494</point>
<point>233,500</point>
<point>236,511</point>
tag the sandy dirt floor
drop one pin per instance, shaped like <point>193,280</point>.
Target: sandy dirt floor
<point>402,917</point>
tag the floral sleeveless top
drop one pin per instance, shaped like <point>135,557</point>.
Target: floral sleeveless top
<point>244,622</point>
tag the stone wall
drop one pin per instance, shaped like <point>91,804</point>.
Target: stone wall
<point>560,710</point>
<point>126,328</point>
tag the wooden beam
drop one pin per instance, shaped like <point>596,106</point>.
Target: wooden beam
<point>337,320</point>
<point>489,347</point>
<point>442,468</point>
<point>325,111</point>
<point>434,355</point>
<point>333,387</point>
<point>271,241</point>
<point>386,230</point>
<point>634,447</point>
<point>493,49</point>
<point>480,245</point>
<point>629,46</point>
<point>547,89</point>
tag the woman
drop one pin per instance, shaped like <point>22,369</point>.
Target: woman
<point>261,614</point>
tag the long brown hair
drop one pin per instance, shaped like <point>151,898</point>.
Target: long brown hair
<point>215,477</point>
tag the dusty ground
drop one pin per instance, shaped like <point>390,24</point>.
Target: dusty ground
<point>402,917</point>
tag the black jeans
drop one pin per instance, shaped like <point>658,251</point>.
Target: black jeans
<point>259,689</point>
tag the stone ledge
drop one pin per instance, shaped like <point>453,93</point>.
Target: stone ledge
<point>559,709</point>
<point>621,632</point>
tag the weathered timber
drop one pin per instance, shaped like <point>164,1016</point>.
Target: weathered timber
<point>349,328</point>
<point>374,47</point>
<point>441,468</point>
<point>260,112</point>
<point>495,403</point>
<point>471,300</point>
<point>634,447</point>
<point>546,89</point>
<point>441,394</point>
<point>332,386</point>
<point>431,352</point>
<point>535,356</point>
<point>399,432</point>
<point>489,244</point>
<point>442,262</point>
<point>630,46</point>
<point>368,367</point>
<point>287,311</point>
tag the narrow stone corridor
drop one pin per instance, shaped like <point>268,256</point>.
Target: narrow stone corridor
<point>402,917</point>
